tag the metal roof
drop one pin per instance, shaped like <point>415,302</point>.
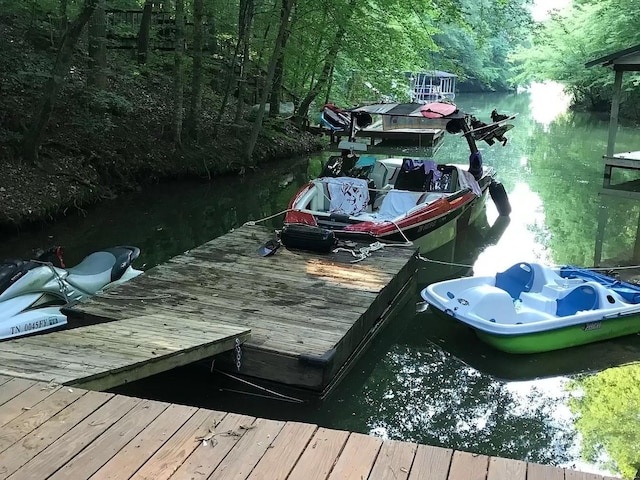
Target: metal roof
<point>627,59</point>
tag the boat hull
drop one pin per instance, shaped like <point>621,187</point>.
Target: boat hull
<point>530,308</point>
<point>558,339</point>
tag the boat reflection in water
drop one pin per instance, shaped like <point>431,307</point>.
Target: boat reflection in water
<point>462,342</point>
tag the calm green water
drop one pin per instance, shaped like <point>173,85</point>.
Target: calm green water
<point>426,379</point>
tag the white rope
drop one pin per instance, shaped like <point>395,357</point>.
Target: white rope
<point>408,242</point>
<point>451,264</point>
<point>362,252</point>
<point>605,269</point>
<point>253,222</point>
<point>277,395</point>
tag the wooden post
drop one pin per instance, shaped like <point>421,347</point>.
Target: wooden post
<point>602,220</point>
<point>615,108</point>
<point>636,245</point>
<point>613,128</point>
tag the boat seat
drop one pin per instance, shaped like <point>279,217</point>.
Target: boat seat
<point>448,180</point>
<point>412,179</point>
<point>583,297</point>
<point>516,279</point>
<point>398,202</point>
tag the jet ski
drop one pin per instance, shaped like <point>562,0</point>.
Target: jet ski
<point>32,292</point>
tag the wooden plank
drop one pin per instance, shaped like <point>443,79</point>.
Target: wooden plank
<point>536,471</point>
<point>126,374</point>
<point>144,346</point>
<point>205,458</point>
<point>431,463</point>
<point>506,469</point>
<point>320,455</point>
<point>276,334</point>
<point>133,455</point>
<point>50,351</point>
<point>28,366</point>
<point>225,312</point>
<point>120,421</point>
<point>32,456</point>
<point>198,304</point>
<point>32,418</point>
<point>575,475</point>
<point>25,400</point>
<point>370,274</point>
<point>394,460</point>
<point>246,453</point>
<point>13,387</point>
<point>468,466</point>
<point>284,451</point>
<point>357,458</point>
<point>173,452</point>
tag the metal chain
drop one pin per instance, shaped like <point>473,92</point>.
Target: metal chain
<point>238,354</point>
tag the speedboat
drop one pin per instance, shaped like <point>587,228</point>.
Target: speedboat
<point>395,200</point>
<point>532,308</point>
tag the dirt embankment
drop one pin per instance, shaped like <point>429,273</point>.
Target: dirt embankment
<point>99,143</point>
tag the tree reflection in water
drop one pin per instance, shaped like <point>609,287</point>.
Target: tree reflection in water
<point>430,397</point>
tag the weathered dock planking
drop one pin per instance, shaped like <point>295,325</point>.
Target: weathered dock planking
<point>103,356</point>
<point>59,433</point>
<point>308,313</point>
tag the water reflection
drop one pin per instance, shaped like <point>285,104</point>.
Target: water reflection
<point>423,393</point>
<point>425,379</point>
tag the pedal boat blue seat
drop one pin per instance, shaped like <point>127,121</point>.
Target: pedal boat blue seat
<point>583,297</point>
<point>516,279</point>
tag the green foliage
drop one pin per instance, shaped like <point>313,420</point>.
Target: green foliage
<point>584,32</point>
<point>608,406</point>
<point>477,48</point>
<point>102,101</point>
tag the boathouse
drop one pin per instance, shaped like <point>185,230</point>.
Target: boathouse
<point>431,86</point>
<point>627,60</point>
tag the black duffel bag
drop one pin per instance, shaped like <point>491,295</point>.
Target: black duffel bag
<point>308,237</point>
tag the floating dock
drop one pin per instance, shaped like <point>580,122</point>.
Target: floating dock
<point>63,433</point>
<point>310,315</point>
<point>625,160</point>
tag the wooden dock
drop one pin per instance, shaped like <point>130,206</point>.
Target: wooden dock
<point>107,355</point>
<point>54,432</point>
<point>625,160</point>
<point>310,314</point>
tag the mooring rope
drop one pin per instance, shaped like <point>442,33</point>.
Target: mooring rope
<point>279,396</point>
<point>604,269</point>
<point>253,222</point>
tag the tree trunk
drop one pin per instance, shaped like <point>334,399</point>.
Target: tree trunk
<point>329,85</point>
<point>193,120</point>
<point>276,89</point>
<point>287,6</point>
<point>244,34</point>
<point>300,116</point>
<point>178,79</point>
<point>143,32</point>
<point>63,15</point>
<point>97,76</point>
<point>33,137</point>
<point>227,89</point>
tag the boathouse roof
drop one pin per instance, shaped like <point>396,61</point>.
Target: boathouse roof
<point>623,60</point>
